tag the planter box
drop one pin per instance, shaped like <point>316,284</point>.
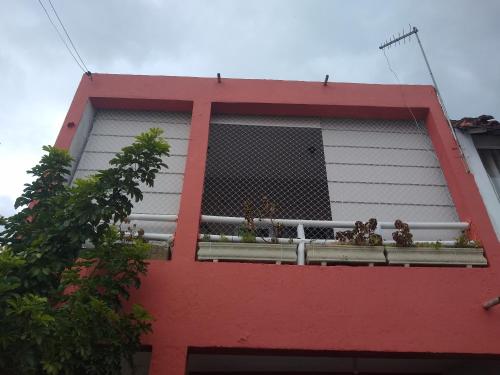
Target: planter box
<point>247,252</point>
<point>344,254</point>
<point>161,252</point>
<point>430,256</point>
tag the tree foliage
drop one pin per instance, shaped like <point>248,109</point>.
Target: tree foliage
<point>65,272</point>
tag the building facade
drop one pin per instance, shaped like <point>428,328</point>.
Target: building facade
<point>313,158</point>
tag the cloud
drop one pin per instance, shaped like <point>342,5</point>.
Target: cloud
<point>297,40</point>
<point>6,206</point>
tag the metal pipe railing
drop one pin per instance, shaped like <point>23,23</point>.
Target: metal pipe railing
<point>153,217</point>
<point>331,223</point>
<point>300,240</point>
<point>305,223</point>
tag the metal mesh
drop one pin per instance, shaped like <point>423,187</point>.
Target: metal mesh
<point>325,169</point>
<point>387,170</point>
<point>255,164</point>
<point>114,129</point>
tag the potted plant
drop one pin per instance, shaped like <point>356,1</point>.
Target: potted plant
<point>249,250</point>
<point>358,246</point>
<point>463,253</point>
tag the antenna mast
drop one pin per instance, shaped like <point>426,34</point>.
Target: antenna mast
<point>398,39</point>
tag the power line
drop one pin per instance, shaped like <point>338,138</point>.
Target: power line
<point>69,38</point>
<point>63,40</point>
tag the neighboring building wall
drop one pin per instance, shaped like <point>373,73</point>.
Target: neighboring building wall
<point>112,130</point>
<point>483,182</point>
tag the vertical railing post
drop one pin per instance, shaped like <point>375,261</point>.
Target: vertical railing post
<point>301,249</point>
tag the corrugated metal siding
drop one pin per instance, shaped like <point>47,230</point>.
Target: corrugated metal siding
<point>114,129</point>
<point>386,170</point>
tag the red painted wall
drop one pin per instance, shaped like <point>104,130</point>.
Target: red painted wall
<point>376,309</point>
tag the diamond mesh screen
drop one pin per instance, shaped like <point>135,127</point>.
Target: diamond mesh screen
<point>324,169</point>
<point>250,163</point>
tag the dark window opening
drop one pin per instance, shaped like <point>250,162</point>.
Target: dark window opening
<point>284,164</point>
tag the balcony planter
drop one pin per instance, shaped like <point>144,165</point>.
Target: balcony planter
<point>247,252</point>
<point>344,254</point>
<point>159,252</point>
<point>439,257</point>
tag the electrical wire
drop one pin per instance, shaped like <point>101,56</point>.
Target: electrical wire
<point>62,39</point>
<point>401,89</point>
<point>69,38</point>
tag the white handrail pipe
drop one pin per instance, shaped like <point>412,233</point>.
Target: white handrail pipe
<point>331,224</point>
<point>153,217</point>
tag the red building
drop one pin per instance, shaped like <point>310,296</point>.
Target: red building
<point>327,155</point>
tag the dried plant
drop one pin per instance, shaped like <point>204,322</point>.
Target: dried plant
<point>267,210</point>
<point>402,235</point>
<point>361,235</point>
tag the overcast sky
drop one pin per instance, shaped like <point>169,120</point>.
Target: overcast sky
<point>293,40</point>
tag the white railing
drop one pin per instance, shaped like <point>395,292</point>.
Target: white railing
<point>300,240</point>
<point>300,224</point>
<point>332,224</point>
<point>157,218</point>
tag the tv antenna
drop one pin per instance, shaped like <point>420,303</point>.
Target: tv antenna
<point>397,39</point>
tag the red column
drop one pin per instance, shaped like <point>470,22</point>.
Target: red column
<point>186,234</point>
<point>168,361</point>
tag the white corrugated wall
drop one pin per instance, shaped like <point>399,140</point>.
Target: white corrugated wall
<point>114,129</point>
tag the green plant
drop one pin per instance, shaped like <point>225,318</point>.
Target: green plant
<point>437,245</point>
<point>402,235</point>
<point>247,235</point>
<point>61,305</point>
<point>205,237</point>
<point>464,240</point>
<point>223,238</point>
<point>266,210</point>
<point>269,210</point>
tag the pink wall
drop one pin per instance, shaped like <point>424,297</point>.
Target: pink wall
<point>376,309</point>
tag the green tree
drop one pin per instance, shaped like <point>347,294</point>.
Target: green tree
<point>65,271</point>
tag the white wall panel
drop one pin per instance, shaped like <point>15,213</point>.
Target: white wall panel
<point>382,156</point>
<point>114,129</point>
<point>144,116</point>
<point>388,193</point>
<point>158,203</point>
<point>114,143</point>
<point>385,174</point>
<point>368,126</point>
<point>386,170</point>
<point>376,139</point>
<point>133,128</point>
<point>100,160</point>
<point>267,120</point>
<point>164,183</point>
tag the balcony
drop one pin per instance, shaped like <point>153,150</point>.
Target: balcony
<point>318,176</point>
<point>313,251</point>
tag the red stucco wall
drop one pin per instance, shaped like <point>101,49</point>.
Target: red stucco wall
<point>376,309</point>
